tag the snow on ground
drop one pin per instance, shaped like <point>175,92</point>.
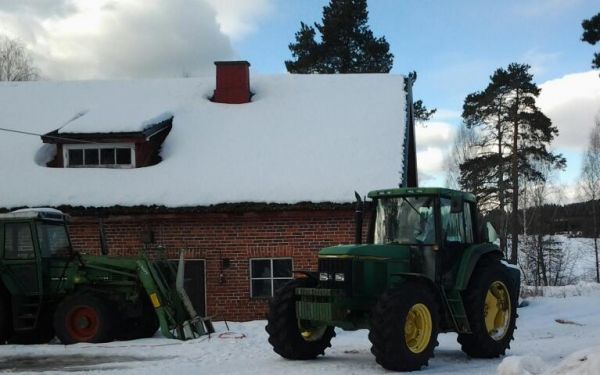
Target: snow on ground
<point>542,345</point>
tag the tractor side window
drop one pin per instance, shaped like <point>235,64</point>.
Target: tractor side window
<point>53,239</point>
<point>18,243</point>
<point>468,223</point>
<point>453,229</point>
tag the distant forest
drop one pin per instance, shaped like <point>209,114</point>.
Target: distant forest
<point>575,218</point>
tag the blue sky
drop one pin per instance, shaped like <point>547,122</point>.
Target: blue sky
<point>453,45</point>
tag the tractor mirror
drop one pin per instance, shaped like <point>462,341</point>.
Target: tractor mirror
<point>456,205</point>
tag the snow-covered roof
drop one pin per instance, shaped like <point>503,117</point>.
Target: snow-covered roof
<point>314,138</point>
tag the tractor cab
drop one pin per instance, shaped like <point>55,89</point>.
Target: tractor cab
<point>436,224</point>
<point>33,244</point>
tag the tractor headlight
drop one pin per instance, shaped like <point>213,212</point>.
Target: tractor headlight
<point>340,277</point>
<point>324,276</point>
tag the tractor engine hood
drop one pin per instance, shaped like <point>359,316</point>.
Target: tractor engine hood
<point>368,251</point>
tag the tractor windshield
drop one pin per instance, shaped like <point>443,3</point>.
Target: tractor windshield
<point>405,220</point>
<point>54,240</point>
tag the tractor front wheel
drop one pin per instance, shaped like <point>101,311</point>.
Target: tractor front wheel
<point>143,326</point>
<point>84,318</point>
<point>491,310</point>
<point>292,338</point>
<point>404,328</point>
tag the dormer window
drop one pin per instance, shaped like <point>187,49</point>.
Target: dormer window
<point>116,155</point>
<point>119,150</point>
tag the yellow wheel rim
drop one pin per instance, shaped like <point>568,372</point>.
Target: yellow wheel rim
<point>497,310</point>
<point>313,333</point>
<point>418,327</point>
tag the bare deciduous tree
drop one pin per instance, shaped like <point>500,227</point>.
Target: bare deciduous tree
<point>462,150</point>
<point>15,61</point>
<point>590,184</point>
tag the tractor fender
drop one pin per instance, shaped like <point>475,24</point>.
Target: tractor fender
<point>469,261</point>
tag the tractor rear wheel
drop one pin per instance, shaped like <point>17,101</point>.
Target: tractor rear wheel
<point>491,311</point>
<point>290,337</point>
<point>84,318</point>
<point>5,318</point>
<point>404,328</point>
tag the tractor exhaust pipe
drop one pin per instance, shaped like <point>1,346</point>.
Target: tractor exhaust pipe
<point>358,219</point>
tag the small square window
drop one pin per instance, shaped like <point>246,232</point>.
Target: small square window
<point>268,275</point>
<point>75,158</point>
<point>107,156</point>
<point>91,156</point>
<point>123,156</point>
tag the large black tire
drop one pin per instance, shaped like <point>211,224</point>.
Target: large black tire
<point>140,327</point>
<point>396,345</point>
<point>284,328</point>
<point>491,339</point>
<point>5,318</point>
<point>84,318</point>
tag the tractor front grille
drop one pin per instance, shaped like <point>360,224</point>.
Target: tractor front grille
<point>330,270</point>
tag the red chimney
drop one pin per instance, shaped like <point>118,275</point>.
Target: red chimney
<point>233,82</point>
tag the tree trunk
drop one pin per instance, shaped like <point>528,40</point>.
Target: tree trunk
<point>595,221</point>
<point>514,225</point>
<point>501,202</point>
<point>541,260</point>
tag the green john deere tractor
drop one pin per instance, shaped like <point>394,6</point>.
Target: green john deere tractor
<point>428,267</point>
<point>47,288</point>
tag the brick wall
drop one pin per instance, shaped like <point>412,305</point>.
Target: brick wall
<point>216,236</point>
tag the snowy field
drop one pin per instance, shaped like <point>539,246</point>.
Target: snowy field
<point>555,335</point>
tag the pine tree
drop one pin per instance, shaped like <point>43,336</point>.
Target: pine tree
<point>347,44</point>
<point>591,34</point>
<point>514,135</point>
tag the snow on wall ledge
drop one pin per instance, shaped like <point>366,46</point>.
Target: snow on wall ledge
<point>310,138</point>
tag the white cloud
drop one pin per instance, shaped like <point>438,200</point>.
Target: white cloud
<point>238,17</point>
<point>572,102</point>
<point>82,39</point>
<point>433,142</point>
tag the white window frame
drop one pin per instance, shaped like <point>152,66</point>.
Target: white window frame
<point>98,146</point>
<point>272,278</point>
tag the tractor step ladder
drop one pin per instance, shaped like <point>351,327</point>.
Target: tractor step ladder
<point>457,309</point>
<point>26,312</point>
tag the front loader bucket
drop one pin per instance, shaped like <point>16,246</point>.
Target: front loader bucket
<point>176,314</point>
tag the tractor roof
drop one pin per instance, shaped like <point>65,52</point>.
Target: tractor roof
<point>35,213</point>
<point>421,191</point>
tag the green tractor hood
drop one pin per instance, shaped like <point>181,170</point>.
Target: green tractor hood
<point>368,251</point>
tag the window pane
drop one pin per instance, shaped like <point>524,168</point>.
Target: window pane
<point>107,156</point>
<point>91,156</point>
<point>53,239</point>
<point>282,268</point>
<point>75,157</point>
<point>18,243</point>
<point>261,268</point>
<point>123,156</point>
<point>468,223</point>
<point>452,223</point>
<point>278,283</point>
<point>261,288</point>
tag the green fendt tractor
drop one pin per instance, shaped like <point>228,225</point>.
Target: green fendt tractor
<point>47,288</point>
<point>428,266</point>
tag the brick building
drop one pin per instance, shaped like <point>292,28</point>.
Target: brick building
<point>250,177</point>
